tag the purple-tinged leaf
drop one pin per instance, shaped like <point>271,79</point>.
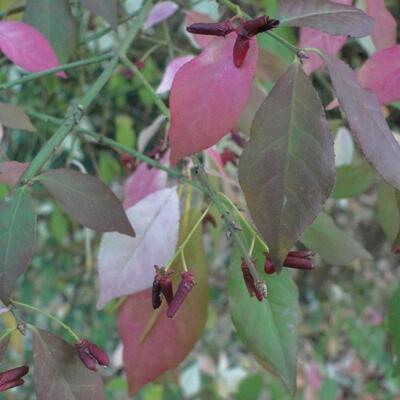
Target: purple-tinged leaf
<point>59,373</point>
<point>126,265</point>
<point>205,107</point>
<point>11,171</point>
<point>160,12</point>
<point>143,182</point>
<point>170,72</point>
<point>170,340</point>
<point>381,74</point>
<point>17,239</point>
<point>268,328</point>
<point>326,16</point>
<point>14,117</point>
<point>368,125</point>
<point>335,246</point>
<point>54,19</point>
<point>107,9</point>
<point>88,200</point>
<point>385,27</point>
<point>287,170</point>
<point>4,346</point>
<point>27,47</point>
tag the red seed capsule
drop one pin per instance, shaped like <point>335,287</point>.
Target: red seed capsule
<point>238,139</point>
<point>228,156</point>
<point>12,377</point>
<point>128,162</point>
<point>185,286</point>
<point>162,285</point>
<point>269,268</point>
<point>240,50</point>
<point>156,293</point>
<point>10,385</point>
<point>91,355</point>
<point>252,287</point>
<point>213,29</point>
<point>254,26</point>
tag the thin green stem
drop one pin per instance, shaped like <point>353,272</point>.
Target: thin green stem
<point>48,315</point>
<point>168,40</point>
<point>232,7</point>
<point>60,68</point>
<point>8,332</point>
<point>77,111</point>
<point>135,70</point>
<point>283,41</point>
<point>12,11</point>
<point>182,246</point>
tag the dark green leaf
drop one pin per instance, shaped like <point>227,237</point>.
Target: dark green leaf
<point>54,19</point>
<point>352,180</point>
<point>368,125</point>
<point>334,245</point>
<point>326,16</point>
<point>107,9</point>
<point>250,388</point>
<point>268,328</point>
<point>394,326</point>
<point>88,200</point>
<point>388,211</point>
<point>59,373</point>
<point>12,116</point>
<point>17,239</point>
<point>287,170</point>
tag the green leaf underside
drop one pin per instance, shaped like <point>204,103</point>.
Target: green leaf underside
<point>334,245</point>
<point>17,239</point>
<point>88,200</point>
<point>268,328</point>
<point>54,19</point>
<point>394,326</point>
<point>287,170</point>
<point>326,16</point>
<point>59,373</point>
<point>368,125</point>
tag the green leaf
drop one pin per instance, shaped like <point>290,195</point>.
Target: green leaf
<point>54,19</point>
<point>107,9</point>
<point>17,239</point>
<point>287,169</point>
<point>109,167</point>
<point>394,326</point>
<point>352,180</point>
<point>88,200</point>
<point>59,225</point>
<point>125,133</point>
<point>334,245</point>
<point>268,328</point>
<point>58,371</point>
<point>388,211</point>
<point>250,388</point>
<point>15,117</point>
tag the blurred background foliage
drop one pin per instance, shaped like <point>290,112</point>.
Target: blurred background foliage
<point>345,351</point>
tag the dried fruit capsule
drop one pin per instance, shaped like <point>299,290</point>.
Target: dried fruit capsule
<point>295,259</point>
<point>257,25</point>
<point>258,289</point>
<point>162,285</point>
<point>91,355</point>
<point>240,50</point>
<point>213,29</point>
<point>12,378</point>
<point>185,286</point>
<point>228,156</point>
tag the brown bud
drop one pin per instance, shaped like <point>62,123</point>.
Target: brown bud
<point>91,355</point>
<point>12,378</point>
<point>213,29</point>
<point>185,286</point>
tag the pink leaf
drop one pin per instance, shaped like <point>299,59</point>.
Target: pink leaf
<point>143,182</point>
<point>193,17</point>
<point>170,72</point>
<point>328,43</point>
<point>207,96</point>
<point>26,47</point>
<point>11,171</point>
<point>381,74</point>
<point>126,265</point>
<point>170,340</point>
<point>160,12</point>
<point>385,28</point>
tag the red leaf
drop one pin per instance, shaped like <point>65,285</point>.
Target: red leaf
<point>26,47</point>
<point>207,97</point>
<point>11,171</point>
<point>385,27</point>
<point>324,41</point>
<point>170,341</point>
<point>381,74</point>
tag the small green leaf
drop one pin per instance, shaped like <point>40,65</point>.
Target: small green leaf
<point>334,245</point>
<point>17,239</point>
<point>352,180</point>
<point>88,200</point>
<point>59,225</point>
<point>394,326</point>
<point>388,211</point>
<point>125,133</point>
<point>54,19</point>
<point>250,388</point>
<point>59,373</point>
<point>268,328</point>
<point>109,167</point>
